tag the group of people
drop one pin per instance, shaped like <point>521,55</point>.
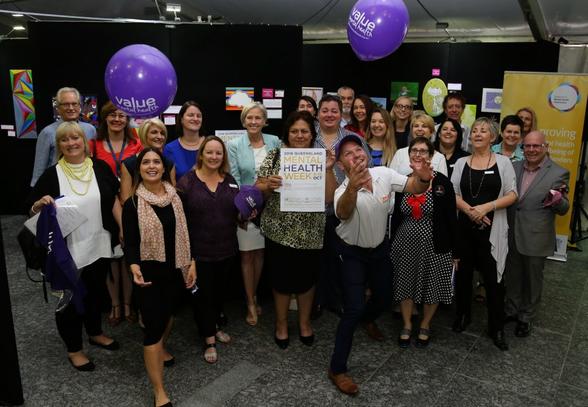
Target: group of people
<point>411,211</point>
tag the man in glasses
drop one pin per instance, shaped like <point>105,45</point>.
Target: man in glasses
<point>542,187</point>
<point>69,108</point>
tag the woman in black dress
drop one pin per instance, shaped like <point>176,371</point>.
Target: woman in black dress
<point>157,248</point>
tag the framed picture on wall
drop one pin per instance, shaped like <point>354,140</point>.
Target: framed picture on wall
<point>315,93</point>
<point>491,100</point>
<point>409,89</point>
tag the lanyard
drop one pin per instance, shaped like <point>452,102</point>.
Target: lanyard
<point>118,160</point>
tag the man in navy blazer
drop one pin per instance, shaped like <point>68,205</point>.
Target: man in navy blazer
<point>542,186</point>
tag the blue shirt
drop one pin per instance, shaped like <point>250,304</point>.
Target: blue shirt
<point>45,155</point>
<point>183,159</point>
<point>517,155</point>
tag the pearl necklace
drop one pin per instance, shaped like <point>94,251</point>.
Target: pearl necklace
<point>82,173</point>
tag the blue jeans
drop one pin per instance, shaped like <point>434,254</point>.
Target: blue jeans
<point>361,268</point>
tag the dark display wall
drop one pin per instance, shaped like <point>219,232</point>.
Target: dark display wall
<point>475,66</point>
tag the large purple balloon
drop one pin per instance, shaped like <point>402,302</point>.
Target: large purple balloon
<point>140,81</point>
<point>376,28</point>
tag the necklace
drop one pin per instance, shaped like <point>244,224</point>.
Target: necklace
<point>482,180</point>
<point>82,173</point>
<point>196,144</point>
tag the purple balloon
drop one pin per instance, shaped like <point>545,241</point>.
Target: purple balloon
<point>140,81</point>
<point>376,28</point>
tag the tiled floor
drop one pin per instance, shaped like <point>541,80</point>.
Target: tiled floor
<point>550,368</point>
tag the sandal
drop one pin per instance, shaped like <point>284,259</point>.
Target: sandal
<point>423,343</point>
<point>223,337</point>
<point>114,318</point>
<point>210,356</point>
<point>131,316</point>
<point>251,318</point>
<point>404,342</point>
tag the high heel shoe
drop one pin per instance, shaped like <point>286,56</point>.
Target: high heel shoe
<point>130,316</point>
<point>282,343</point>
<point>251,318</point>
<point>114,318</point>
<point>307,340</point>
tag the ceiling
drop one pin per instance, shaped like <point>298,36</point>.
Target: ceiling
<point>325,20</point>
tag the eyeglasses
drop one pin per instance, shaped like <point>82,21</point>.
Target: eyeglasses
<point>74,104</point>
<point>534,146</point>
<point>403,107</point>
<point>419,151</point>
<point>117,115</point>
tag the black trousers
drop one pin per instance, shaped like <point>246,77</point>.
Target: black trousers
<point>211,279</point>
<point>475,254</point>
<point>69,322</point>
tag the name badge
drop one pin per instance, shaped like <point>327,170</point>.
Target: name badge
<point>489,172</point>
<point>451,165</point>
<point>234,186</point>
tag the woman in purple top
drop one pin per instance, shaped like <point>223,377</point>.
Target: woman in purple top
<point>208,193</point>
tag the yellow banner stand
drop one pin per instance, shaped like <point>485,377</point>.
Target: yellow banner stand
<point>560,103</point>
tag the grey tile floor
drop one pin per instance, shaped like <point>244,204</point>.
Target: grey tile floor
<point>549,368</point>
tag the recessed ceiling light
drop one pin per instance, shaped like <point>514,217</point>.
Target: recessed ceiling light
<point>18,15</point>
<point>18,28</point>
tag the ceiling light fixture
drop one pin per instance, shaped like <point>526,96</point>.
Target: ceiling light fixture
<point>18,15</point>
<point>173,8</point>
<point>18,28</point>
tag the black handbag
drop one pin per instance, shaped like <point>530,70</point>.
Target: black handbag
<point>34,254</point>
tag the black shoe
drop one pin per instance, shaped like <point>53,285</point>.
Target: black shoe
<point>511,318</point>
<point>461,323</point>
<point>87,367</point>
<point>523,329</point>
<point>111,346</point>
<point>423,343</point>
<point>307,340</point>
<point>499,341</point>
<point>282,343</point>
<point>170,362</point>
<point>404,342</point>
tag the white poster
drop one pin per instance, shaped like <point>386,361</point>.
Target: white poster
<point>228,135</point>
<point>303,172</point>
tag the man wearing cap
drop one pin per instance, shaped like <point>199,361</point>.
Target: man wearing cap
<point>69,109</point>
<point>362,203</point>
<point>541,186</point>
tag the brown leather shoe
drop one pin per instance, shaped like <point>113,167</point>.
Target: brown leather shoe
<point>344,383</point>
<point>374,332</point>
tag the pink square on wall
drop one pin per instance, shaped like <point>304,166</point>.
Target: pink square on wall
<point>267,93</point>
<point>436,72</point>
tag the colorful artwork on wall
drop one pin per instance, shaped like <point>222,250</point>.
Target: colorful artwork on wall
<point>23,98</point>
<point>237,97</point>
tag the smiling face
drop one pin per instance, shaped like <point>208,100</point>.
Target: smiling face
<point>69,107</point>
<point>213,155</point>
<point>151,167</point>
<point>304,105</point>
<point>299,135</point>
<point>116,121</point>
<point>156,137</point>
<point>535,148</point>
<point>418,153</point>
<point>454,109</point>
<point>481,136</point>
<point>254,121</point>
<point>420,129</point>
<point>511,135</point>
<point>527,119</point>
<point>448,135</point>
<point>192,119</point>
<point>350,154</point>
<point>329,115</point>
<point>378,126</point>
<point>359,110</point>
<point>72,147</point>
<point>402,108</point>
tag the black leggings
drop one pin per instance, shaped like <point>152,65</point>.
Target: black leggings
<point>208,300</point>
<point>69,322</point>
<point>476,255</point>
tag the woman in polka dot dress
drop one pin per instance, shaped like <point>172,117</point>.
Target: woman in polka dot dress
<point>423,247</point>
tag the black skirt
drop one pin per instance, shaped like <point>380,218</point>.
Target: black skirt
<point>292,271</point>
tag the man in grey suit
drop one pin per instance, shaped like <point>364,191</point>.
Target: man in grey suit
<point>542,186</point>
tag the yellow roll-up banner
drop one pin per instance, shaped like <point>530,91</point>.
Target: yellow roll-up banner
<point>560,103</point>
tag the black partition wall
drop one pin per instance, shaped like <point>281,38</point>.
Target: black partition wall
<point>207,58</point>
<point>474,65</point>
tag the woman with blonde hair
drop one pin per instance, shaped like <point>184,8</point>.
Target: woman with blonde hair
<point>529,118</point>
<point>380,137</point>
<point>152,133</point>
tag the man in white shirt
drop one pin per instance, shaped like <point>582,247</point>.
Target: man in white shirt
<point>69,109</point>
<point>346,94</point>
<point>361,203</point>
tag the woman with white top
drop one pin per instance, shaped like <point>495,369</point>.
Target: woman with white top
<point>246,154</point>
<point>92,187</point>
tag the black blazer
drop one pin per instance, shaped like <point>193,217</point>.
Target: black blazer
<point>48,184</point>
<point>444,215</point>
